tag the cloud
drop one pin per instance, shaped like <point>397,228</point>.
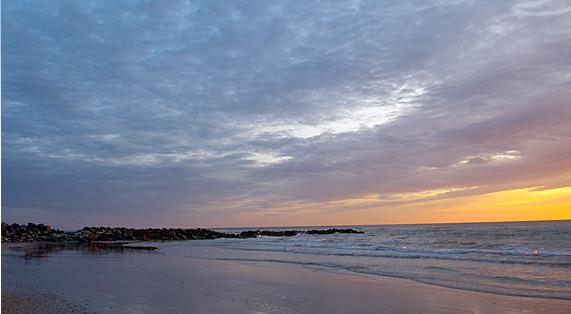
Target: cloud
<point>541,8</point>
<point>510,155</point>
<point>194,112</point>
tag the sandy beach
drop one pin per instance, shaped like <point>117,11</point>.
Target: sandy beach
<point>152,282</point>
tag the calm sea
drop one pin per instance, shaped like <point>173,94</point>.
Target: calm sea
<point>524,259</point>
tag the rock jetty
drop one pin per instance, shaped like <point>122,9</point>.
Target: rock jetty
<point>267,233</point>
<point>290,233</point>
<point>43,233</point>
<point>31,233</point>
<point>332,231</point>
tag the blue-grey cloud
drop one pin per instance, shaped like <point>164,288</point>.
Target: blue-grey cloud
<point>193,112</point>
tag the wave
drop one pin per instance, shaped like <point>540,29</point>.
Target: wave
<point>520,259</point>
<point>452,255</point>
<point>468,286</point>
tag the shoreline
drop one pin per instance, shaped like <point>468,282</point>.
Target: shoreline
<point>374,276</point>
<point>148,282</point>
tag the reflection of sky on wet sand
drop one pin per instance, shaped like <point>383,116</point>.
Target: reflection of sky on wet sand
<point>39,250</point>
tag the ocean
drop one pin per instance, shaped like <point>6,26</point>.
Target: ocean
<point>531,259</point>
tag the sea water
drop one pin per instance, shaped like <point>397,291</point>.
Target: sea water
<point>523,259</point>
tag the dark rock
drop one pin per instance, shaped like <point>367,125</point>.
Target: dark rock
<point>42,233</point>
<point>249,234</point>
<point>333,230</point>
<point>290,233</point>
<point>285,233</point>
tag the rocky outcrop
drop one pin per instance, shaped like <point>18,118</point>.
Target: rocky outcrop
<point>42,233</point>
<point>289,233</point>
<point>31,233</point>
<point>332,231</point>
<point>268,233</point>
<point>150,234</point>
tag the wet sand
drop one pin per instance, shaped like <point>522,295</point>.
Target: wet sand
<point>151,282</point>
<point>26,301</point>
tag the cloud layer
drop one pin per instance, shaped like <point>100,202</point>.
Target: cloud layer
<point>210,112</point>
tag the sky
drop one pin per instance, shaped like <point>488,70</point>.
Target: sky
<point>277,113</point>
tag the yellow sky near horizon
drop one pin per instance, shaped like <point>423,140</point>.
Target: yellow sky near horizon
<point>432,206</point>
<point>525,204</point>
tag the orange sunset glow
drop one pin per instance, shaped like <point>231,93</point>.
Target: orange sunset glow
<point>525,204</point>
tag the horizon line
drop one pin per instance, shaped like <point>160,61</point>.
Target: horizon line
<point>402,224</point>
<point>321,226</point>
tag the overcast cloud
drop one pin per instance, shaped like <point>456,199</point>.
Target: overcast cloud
<point>200,112</point>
